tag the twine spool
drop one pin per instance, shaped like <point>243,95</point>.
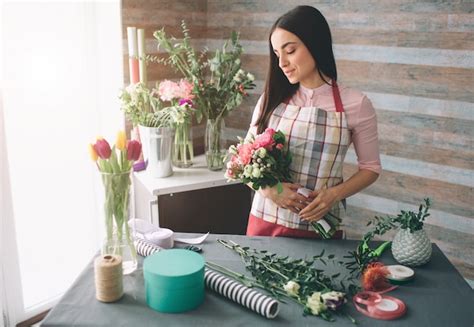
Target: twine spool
<point>108,278</point>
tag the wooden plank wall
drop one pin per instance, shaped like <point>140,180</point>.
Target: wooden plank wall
<point>414,59</point>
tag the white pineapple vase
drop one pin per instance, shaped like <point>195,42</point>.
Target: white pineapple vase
<point>411,249</point>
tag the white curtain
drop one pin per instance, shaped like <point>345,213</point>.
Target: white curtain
<point>62,71</point>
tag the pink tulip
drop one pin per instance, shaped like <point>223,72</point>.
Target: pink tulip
<point>102,148</point>
<point>134,148</point>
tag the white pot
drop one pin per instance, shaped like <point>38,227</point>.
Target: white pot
<point>411,249</point>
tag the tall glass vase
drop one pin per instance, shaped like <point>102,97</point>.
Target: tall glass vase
<point>183,153</point>
<point>118,238</point>
<point>214,143</point>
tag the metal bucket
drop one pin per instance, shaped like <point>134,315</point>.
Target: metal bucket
<point>157,144</point>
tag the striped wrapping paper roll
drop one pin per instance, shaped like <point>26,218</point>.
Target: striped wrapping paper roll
<point>225,286</point>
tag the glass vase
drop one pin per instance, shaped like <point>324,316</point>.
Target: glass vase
<point>214,143</point>
<point>183,153</point>
<point>118,239</point>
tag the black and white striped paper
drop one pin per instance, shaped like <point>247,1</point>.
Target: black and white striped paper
<point>227,287</point>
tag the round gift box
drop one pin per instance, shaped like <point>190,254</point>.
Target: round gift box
<point>174,280</point>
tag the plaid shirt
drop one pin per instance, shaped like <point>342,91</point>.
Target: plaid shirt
<point>318,141</point>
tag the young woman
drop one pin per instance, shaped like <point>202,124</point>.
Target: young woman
<point>320,120</point>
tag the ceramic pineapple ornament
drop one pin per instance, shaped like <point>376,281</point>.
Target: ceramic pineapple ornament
<point>411,246</point>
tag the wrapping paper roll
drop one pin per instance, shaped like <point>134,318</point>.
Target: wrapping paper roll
<point>248,297</point>
<point>243,295</point>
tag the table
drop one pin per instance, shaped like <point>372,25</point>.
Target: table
<point>438,296</point>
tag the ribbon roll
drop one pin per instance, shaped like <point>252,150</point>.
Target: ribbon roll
<point>378,306</point>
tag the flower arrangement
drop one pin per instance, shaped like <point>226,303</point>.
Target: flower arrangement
<point>263,161</point>
<point>168,104</point>
<point>115,165</point>
<point>179,113</point>
<point>219,83</point>
<point>297,279</point>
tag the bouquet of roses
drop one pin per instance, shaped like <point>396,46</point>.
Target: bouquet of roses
<point>264,161</point>
<point>261,160</point>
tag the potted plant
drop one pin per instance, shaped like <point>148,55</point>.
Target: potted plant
<point>411,245</point>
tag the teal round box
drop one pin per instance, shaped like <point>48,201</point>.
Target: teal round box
<point>174,280</point>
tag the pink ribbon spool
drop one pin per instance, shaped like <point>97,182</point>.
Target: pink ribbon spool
<point>378,306</point>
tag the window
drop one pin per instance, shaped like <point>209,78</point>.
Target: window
<point>62,71</point>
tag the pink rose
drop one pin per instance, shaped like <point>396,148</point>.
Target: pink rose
<point>265,140</point>
<point>168,90</point>
<point>245,153</point>
<point>185,90</point>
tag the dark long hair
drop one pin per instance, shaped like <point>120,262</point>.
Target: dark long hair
<point>310,26</point>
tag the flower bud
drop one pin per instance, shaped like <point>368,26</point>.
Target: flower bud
<point>256,172</point>
<point>102,148</point>
<point>121,140</point>
<point>93,153</point>
<point>292,288</point>
<point>134,149</point>
<point>333,300</point>
<point>315,304</point>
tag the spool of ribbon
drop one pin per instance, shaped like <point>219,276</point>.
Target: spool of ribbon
<point>377,306</point>
<point>227,287</point>
<point>108,278</point>
<point>162,237</point>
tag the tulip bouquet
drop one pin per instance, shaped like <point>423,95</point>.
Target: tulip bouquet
<point>115,165</point>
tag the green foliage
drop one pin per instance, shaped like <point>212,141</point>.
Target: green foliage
<point>219,82</point>
<point>272,272</point>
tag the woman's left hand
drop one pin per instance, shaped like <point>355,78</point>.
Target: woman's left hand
<point>323,201</point>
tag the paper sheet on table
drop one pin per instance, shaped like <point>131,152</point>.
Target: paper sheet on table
<point>192,240</point>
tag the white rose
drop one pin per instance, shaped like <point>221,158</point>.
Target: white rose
<point>292,288</point>
<point>248,171</point>
<point>256,173</point>
<point>314,303</point>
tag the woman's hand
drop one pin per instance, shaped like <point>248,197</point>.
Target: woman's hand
<point>323,200</point>
<point>288,199</point>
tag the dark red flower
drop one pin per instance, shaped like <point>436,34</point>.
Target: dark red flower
<point>134,149</point>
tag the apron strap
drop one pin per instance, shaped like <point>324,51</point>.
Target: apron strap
<point>337,97</point>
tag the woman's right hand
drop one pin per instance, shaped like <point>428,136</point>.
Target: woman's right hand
<point>288,198</point>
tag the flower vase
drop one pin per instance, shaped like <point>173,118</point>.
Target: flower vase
<point>183,153</point>
<point>214,143</point>
<point>118,240</point>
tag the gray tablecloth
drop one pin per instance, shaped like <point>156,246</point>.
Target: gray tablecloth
<point>439,296</point>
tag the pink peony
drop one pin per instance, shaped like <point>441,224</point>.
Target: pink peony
<point>185,90</point>
<point>265,140</point>
<point>168,90</point>
<point>245,153</point>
